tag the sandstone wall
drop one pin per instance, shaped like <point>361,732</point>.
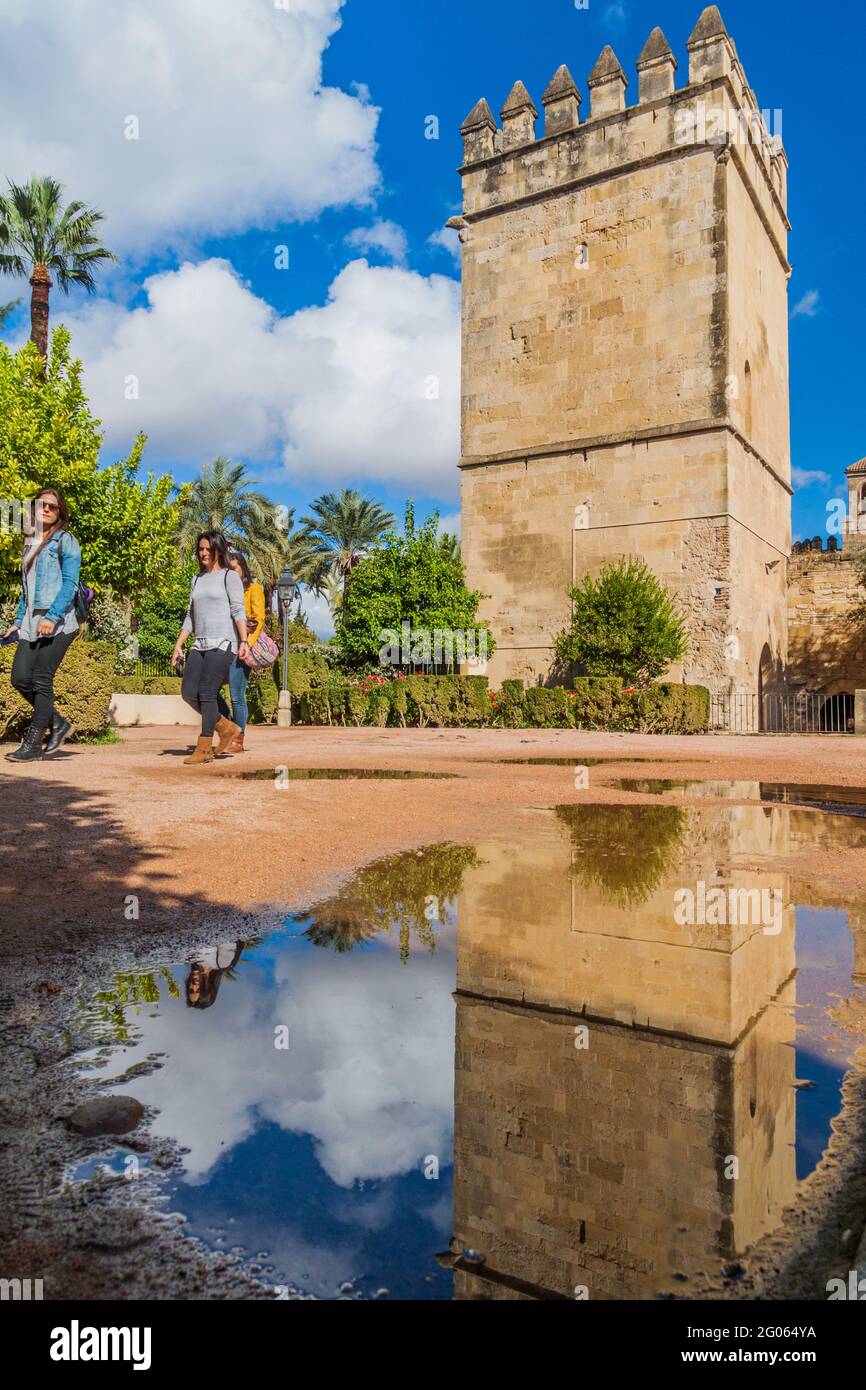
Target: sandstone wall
<point>826,653</point>
<point>616,281</point>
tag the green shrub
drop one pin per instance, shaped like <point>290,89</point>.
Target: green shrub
<point>315,707</point>
<point>147,685</point>
<point>548,709</point>
<point>669,709</point>
<point>431,700</point>
<point>464,701</point>
<point>83,688</point>
<point>598,702</point>
<point>306,671</point>
<point>471,701</point>
<point>263,697</point>
<point>399,701</point>
<point>379,710</point>
<point>624,623</point>
<point>511,704</point>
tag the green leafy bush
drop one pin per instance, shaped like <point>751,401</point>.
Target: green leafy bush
<point>263,697</point>
<point>669,709</point>
<point>624,623</point>
<point>83,688</point>
<point>510,705</point>
<point>598,702</point>
<point>147,685</point>
<point>549,709</point>
<point>414,578</point>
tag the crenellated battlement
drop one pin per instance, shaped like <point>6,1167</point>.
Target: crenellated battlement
<point>715,111</point>
<point>625,352</point>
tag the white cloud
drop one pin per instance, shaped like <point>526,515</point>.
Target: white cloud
<point>449,524</point>
<point>446,239</point>
<point>383,236</point>
<point>235,129</point>
<point>805,477</point>
<point>365,386</point>
<point>807,307</point>
<point>614,15</point>
<point>318,614</point>
<point>369,1073</point>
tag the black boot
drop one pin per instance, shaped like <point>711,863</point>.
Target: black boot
<point>30,750</point>
<point>58,732</point>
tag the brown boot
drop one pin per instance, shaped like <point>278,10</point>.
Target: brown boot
<point>226,733</point>
<point>203,751</point>
<point>237,744</point>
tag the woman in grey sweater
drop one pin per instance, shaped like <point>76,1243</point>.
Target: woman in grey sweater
<point>217,618</point>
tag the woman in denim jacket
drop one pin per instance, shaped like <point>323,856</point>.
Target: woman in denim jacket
<point>45,623</point>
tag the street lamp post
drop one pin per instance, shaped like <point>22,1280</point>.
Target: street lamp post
<point>286,592</point>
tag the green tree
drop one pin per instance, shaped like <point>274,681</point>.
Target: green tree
<point>392,896</point>
<point>411,578</point>
<point>624,852</point>
<point>624,623</point>
<point>224,498</point>
<point>39,236</point>
<point>160,612</point>
<point>342,528</point>
<point>48,435</point>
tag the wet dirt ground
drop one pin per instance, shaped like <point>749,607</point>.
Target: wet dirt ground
<point>120,853</point>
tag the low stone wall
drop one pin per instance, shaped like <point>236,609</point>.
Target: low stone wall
<point>136,711</point>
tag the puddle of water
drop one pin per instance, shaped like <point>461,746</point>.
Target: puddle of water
<point>577,761</point>
<point>337,774</point>
<point>559,1052</point>
<point>849,801</point>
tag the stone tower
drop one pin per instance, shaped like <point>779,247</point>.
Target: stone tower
<point>625,355</point>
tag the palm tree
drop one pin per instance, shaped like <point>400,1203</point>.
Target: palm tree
<point>7,309</point>
<point>38,235</point>
<point>342,528</point>
<point>450,545</point>
<point>223,498</point>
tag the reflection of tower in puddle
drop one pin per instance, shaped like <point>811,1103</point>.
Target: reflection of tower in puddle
<point>616,1069</point>
<point>857,927</point>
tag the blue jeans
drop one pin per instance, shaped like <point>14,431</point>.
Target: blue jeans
<point>239,674</point>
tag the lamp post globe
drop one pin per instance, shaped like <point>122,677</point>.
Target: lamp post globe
<point>286,589</point>
<point>285,592</point>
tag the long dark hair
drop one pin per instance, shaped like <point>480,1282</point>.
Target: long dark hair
<point>63,509</point>
<point>219,547</point>
<point>246,573</point>
<point>209,979</point>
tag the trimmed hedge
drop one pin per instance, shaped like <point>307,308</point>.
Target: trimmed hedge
<point>83,688</point>
<point>465,701</point>
<point>671,709</point>
<point>458,701</point>
<point>147,685</point>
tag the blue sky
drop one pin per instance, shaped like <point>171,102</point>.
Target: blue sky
<point>219,347</point>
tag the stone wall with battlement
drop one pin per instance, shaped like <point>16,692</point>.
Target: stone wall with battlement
<point>625,353</point>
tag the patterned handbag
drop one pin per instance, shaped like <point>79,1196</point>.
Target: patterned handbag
<point>263,654</point>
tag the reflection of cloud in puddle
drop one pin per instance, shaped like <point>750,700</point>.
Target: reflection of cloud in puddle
<point>368,1073</point>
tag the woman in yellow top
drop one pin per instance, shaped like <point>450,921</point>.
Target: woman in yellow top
<point>239,674</point>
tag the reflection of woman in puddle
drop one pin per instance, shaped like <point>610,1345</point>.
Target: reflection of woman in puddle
<point>206,974</point>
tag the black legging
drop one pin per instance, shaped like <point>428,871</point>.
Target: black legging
<point>204,676</point>
<point>33,673</point>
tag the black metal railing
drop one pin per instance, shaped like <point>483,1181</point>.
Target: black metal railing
<point>802,713</point>
<point>153,668</point>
